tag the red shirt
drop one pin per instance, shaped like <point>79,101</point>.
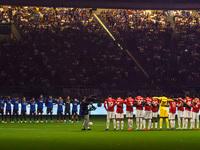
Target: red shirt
<point>189,102</point>
<point>139,100</point>
<point>110,104</point>
<point>129,103</point>
<point>180,103</point>
<point>120,103</point>
<point>196,106</point>
<point>172,107</point>
<point>155,102</point>
<point>148,101</point>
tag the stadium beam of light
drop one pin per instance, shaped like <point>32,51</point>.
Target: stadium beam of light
<point>141,68</point>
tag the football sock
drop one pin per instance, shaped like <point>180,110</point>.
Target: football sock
<point>161,121</point>
<point>156,124</point>
<point>2,116</point>
<point>41,117</point>
<point>198,123</point>
<point>51,117</point>
<point>149,125</point>
<point>192,122</point>
<point>34,118</point>
<point>167,122</point>
<point>144,123</point>
<point>17,117</point>
<point>46,117</point>
<point>171,123</point>
<point>30,117</point>
<point>174,123</point>
<point>117,124</point>
<point>131,120</point>
<point>61,117</point>
<point>140,123</point>
<point>183,122</point>
<point>114,123</point>
<point>186,123</point>
<point>129,123</point>
<point>137,122</point>
<point>122,124</point>
<point>108,123</point>
<point>179,122</point>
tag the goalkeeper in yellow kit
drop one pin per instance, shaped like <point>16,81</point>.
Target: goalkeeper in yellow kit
<point>163,104</point>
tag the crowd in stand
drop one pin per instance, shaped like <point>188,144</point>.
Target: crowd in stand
<point>4,16</point>
<point>66,46</point>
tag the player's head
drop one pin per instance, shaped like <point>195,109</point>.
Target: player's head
<point>68,98</point>
<point>60,98</point>
<point>118,97</point>
<point>17,97</point>
<point>179,96</point>
<point>195,96</point>
<point>187,94</point>
<point>50,97</point>
<point>84,99</point>
<point>41,96</point>
<point>109,96</point>
<point>163,94</point>
<point>129,95</point>
<point>9,97</point>
<point>24,98</point>
<point>75,100</point>
<point>33,99</point>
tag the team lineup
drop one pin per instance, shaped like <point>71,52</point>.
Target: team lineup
<point>187,109</point>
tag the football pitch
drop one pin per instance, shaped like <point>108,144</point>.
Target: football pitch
<point>70,136</point>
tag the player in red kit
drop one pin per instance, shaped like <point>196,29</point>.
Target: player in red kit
<point>172,113</point>
<point>155,106</point>
<point>129,110</point>
<point>119,112</point>
<point>188,114</point>
<point>109,105</point>
<point>180,113</point>
<point>148,112</point>
<point>195,111</point>
<point>139,111</point>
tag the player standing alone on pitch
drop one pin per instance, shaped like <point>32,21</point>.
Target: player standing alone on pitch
<point>67,109</point>
<point>23,109</point>
<point>155,107</point>
<point>49,104</point>
<point>163,103</point>
<point>129,110</point>
<point>139,111</point>
<point>188,113</point>
<point>195,111</point>
<point>40,103</point>
<point>120,112</point>
<point>32,103</point>
<point>2,108</point>
<point>85,113</point>
<point>109,105</point>
<point>148,112</point>
<point>180,114</point>
<point>15,102</point>
<point>172,113</point>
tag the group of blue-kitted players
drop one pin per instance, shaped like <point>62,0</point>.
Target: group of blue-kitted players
<point>40,102</point>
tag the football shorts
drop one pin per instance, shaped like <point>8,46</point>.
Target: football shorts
<point>139,113</point>
<point>171,116</point>
<point>163,113</point>
<point>110,115</point>
<point>155,114</point>
<point>119,115</point>
<point>40,110</point>
<point>49,110</point>
<point>180,114</point>
<point>195,115</point>
<point>188,114</point>
<point>129,114</point>
<point>147,115</point>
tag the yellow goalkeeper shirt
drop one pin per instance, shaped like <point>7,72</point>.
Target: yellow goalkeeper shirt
<point>163,102</point>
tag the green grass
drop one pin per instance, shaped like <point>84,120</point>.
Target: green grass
<point>70,136</point>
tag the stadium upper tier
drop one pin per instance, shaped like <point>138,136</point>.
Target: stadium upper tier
<point>67,46</point>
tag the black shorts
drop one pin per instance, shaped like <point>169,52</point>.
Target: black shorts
<point>40,110</point>
<point>15,111</point>
<point>1,110</point>
<point>32,112</point>
<point>23,112</point>
<point>59,112</point>
<point>8,111</point>
<point>67,111</point>
<point>49,110</point>
<point>74,112</point>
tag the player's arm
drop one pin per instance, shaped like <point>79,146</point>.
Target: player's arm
<point>158,98</point>
<point>170,100</point>
<point>105,106</point>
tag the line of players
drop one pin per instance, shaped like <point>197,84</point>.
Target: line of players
<point>49,103</point>
<point>187,108</point>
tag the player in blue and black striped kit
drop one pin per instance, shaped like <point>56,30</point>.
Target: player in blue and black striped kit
<point>60,109</point>
<point>75,104</point>
<point>2,108</point>
<point>32,103</point>
<point>15,102</point>
<point>23,109</point>
<point>40,103</point>
<point>8,102</point>
<point>49,104</point>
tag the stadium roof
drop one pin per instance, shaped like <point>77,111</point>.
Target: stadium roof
<point>125,4</point>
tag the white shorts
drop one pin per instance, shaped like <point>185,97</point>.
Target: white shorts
<point>155,114</point>
<point>195,115</point>
<point>180,114</point>
<point>147,115</point>
<point>171,116</point>
<point>129,114</point>
<point>188,114</point>
<point>139,113</point>
<point>119,115</point>
<point>110,115</point>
